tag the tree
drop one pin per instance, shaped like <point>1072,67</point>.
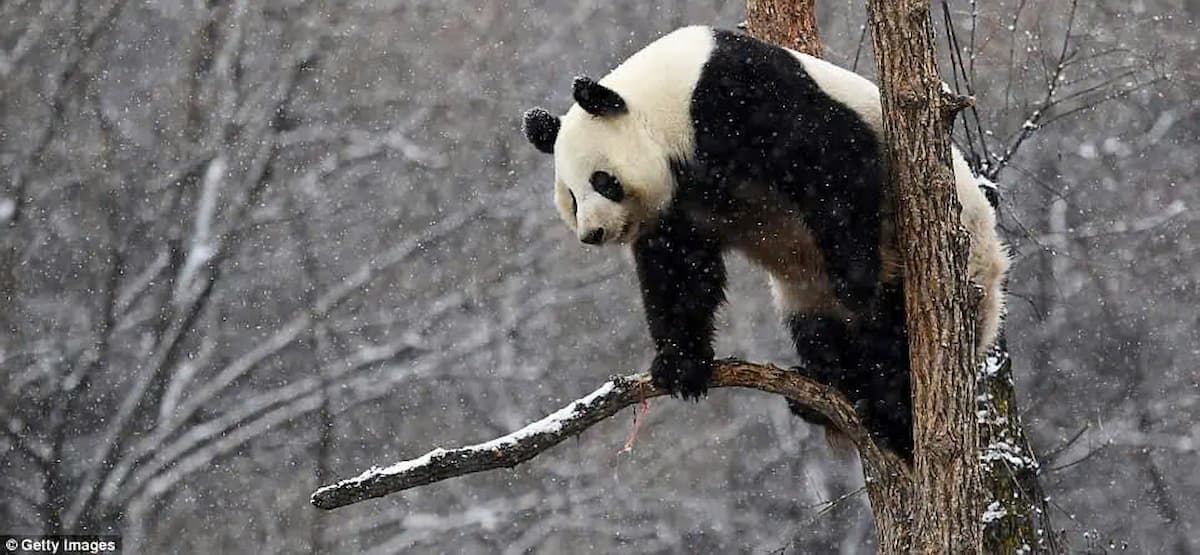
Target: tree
<point>121,389</point>
<point>918,112</point>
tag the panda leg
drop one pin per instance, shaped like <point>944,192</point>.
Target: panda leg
<point>819,328</point>
<point>844,218</point>
<point>869,364</point>
<point>823,342</point>
<point>682,277</point>
<point>883,385</point>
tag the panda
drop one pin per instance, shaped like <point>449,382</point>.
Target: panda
<point>709,141</point>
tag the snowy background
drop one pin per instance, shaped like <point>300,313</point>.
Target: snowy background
<point>248,248</point>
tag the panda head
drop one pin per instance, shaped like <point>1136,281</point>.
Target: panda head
<point>611,176</point>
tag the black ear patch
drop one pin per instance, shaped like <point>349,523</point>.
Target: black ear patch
<point>541,128</point>
<point>597,99</point>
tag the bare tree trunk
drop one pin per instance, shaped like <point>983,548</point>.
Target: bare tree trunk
<point>790,23</point>
<point>938,298</point>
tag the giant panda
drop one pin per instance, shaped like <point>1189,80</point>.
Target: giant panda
<point>709,141</point>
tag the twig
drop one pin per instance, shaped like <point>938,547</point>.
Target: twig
<point>1033,122</point>
<point>610,398</point>
<point>862,39</point>
<point>978,152</point>
<point>833,503</point>
<point>1053,455</point>
<point>639,418</point>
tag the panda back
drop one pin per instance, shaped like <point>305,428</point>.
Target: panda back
<point>759,111</point>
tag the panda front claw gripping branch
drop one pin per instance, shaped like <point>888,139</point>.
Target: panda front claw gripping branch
<point>571,420</point>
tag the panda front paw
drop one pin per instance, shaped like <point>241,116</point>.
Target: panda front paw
<point>682,376</point>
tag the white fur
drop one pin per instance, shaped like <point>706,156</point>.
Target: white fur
<point>657,84</point>
<point>855,91</point>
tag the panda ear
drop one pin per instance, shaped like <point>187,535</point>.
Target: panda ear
<point>597,99</point>
<point>541,129</point>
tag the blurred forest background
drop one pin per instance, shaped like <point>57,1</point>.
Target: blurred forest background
<point>250,247</point>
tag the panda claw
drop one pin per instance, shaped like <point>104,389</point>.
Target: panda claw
<point>682,377</point>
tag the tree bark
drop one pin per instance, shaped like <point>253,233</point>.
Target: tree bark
<point>938,297</point>
<point>790,23</point>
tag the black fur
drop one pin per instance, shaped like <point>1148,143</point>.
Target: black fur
<point>821,341</point>
<point>882,389</point>
<point>541,129</point>
<point>759,118</point>
<point>597,99</point>
<point>607,185</point>
<point>870,368</point>
<point>683,283</point>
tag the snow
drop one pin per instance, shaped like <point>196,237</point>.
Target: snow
<point>992,366</point>
<point>262,248</point>
<point>1003,451</point>
<point>8,208</point>
<point>405,466</point>
<point>995,511</point>
<point>549,425</point>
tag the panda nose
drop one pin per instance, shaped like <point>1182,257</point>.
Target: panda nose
<point>593,237</point>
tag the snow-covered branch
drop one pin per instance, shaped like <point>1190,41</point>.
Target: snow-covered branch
<point>616,394</point>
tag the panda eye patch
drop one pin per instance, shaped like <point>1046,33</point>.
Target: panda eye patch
<point>607,185</point>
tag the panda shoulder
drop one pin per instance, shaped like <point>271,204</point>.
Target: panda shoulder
<point>846,87</point>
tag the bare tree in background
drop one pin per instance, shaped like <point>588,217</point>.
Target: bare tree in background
<point>117,413</point>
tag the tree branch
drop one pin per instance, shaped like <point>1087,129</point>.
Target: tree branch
<point>616,394</point>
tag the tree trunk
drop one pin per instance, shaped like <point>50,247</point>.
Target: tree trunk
<point>790,23</point>
<point>939,300</point>
<point>1016,518</point>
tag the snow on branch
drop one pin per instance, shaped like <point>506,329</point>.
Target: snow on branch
<point>616,394</point>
